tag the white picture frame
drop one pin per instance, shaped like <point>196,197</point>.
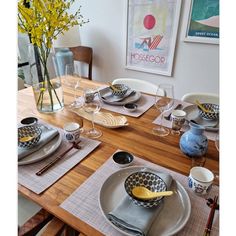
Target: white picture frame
<point>154,53</point>
<point>193,38</point>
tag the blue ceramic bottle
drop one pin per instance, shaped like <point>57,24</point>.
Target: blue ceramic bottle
<point>63,57</point>
<point>194,143</point>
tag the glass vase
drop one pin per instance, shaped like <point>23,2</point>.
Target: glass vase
<point>47,86</point>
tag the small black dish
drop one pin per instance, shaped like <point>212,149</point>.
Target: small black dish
<point>130,106</point>
<point>123,159</point>
<point>29,121</point>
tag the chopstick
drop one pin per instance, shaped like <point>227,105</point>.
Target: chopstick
<point>53,162</point>
<point>211,217</point>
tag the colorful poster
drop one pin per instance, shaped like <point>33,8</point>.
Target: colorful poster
<point>151,35</point>
<point>204,20</point>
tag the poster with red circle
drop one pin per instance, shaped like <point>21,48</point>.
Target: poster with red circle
<point>151,35</point>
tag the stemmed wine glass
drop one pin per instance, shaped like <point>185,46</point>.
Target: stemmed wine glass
<point>217,142</point>
<point>164,101</point>
<point>92,106</point>
<point>73,80</point>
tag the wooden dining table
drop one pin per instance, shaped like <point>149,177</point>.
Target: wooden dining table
<point>136,138</point>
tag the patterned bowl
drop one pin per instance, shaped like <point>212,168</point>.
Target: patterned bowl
<point>121,90</point>
<point>213,115</point>
<point>28,136</point>
<point>146,179</point>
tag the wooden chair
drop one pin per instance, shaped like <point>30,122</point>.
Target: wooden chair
<point>51,226</point>
<point>34,220</point>
<point>85,55</point>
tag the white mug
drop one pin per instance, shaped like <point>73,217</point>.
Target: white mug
<point>200,180</point>
<point>72,132</point>
<point>178,119</point>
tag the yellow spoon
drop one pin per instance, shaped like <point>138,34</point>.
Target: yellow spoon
<point>145,194</point>
<point>113,87</point>
<point>27,138</point>
<point>203,108</point>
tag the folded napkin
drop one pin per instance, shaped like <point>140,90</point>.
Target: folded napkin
<point>48,133</point>
<point>111,98</point>
<point>134,219</point>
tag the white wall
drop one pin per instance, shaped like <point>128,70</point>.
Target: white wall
<point>195,68</point>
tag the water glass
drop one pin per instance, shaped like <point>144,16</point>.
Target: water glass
<point>92,107</point>
<point>164,101</point>
<point>73,80</point>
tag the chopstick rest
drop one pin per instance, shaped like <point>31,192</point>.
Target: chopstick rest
<point>53,162</point>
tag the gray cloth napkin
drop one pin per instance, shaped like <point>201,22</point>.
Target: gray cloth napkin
<point>133,219</point>
<point>48,133</point>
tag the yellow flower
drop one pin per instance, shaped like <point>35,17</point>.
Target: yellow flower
<point>44,20</point>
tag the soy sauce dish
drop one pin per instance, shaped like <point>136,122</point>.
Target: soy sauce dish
<point>29,121</point>
<point>123,159</point>
<point>130,107</point>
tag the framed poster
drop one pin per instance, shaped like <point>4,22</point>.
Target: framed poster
<point>202,21</point>
<point>151,35</point>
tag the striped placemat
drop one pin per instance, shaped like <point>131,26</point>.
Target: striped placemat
<point>84,201</point>
<point>144,103</point>
<point>37,184</point>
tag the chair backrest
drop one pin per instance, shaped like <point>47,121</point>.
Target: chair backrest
<point>202,97</point>
<point>85,55</point>
<point>21,84</point>
<point>139,85</point>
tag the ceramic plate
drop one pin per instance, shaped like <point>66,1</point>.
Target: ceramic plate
<point>173,217</point>
<point>43,152</point>
<point>104,119</point>
<point>130,99</point>
<point>193,114</point>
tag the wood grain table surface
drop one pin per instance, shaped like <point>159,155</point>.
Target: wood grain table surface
<point>136,138</point>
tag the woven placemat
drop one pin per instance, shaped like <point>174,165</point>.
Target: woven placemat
<point>84,201</point>
<point>144,103</point>
<point>37,184</point>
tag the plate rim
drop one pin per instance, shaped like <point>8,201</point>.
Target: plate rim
<point>205,126</point>
<point>58,143</point>
<point>123,102</point>
<point>135,168</point>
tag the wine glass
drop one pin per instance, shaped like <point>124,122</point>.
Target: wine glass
<point>164,101</point>
<point>73,80</point>
<point>92,106</point>
<point>217,142</point>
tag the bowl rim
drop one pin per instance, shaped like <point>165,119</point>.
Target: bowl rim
<point>128,108</point>
<point>25,127</point>
<point>145,201</point>
<point>214,112</point>
<point>130,155</point>
<point>123,90</point>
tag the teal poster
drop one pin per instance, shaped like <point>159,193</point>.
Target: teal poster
<point>204,21</point>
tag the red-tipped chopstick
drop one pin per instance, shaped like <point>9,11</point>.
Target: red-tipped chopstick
<point>211,217</point>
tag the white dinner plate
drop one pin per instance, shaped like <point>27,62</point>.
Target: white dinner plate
<point>130,99</point>
<point>43,152</point>
<point>193,114</point>
<point>172,218</point>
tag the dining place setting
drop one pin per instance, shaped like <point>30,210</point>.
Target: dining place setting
<point>132,196</point>
<point>117,98</point>
<point>121,99</point>
<point>177,116</point>
<point>46,152</point>
<point>127,194</point>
